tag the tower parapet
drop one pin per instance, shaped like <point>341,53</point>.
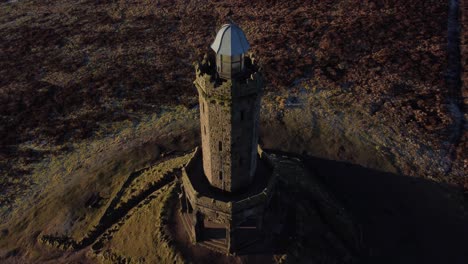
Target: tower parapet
<point>223,90</point>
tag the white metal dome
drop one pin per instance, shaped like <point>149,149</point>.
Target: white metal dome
<point>230,41</point>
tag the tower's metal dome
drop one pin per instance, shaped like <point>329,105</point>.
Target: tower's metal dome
<point>230,41</point>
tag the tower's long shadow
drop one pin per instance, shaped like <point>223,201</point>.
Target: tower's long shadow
<point>403,219</point>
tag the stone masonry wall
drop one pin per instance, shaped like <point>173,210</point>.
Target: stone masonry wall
<point>229,118</point>
<point>216,142</point>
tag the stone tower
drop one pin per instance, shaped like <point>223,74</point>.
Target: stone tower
<point>227,185</point>
<point>229,114</point>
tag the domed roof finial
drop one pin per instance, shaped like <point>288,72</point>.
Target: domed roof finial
<point>230,40</point>
<point>229,15</point>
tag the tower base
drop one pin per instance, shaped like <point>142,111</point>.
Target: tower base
<point>223,221</point>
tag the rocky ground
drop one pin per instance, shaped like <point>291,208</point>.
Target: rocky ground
<point>369,82</point>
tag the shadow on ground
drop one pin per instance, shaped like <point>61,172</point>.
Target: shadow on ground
<point>403,219</point>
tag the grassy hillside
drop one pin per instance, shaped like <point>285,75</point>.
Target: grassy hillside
<point>85,85</point>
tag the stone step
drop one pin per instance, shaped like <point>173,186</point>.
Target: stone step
<point>186,223</point>
<point>220,242</point>
<point>215,244</point>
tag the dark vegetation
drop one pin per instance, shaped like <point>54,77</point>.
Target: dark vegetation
<point>67,65</point>
<point>68,68</point>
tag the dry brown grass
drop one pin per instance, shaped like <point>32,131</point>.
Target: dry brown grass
<point>81,80</point>
<point>63,184</point>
